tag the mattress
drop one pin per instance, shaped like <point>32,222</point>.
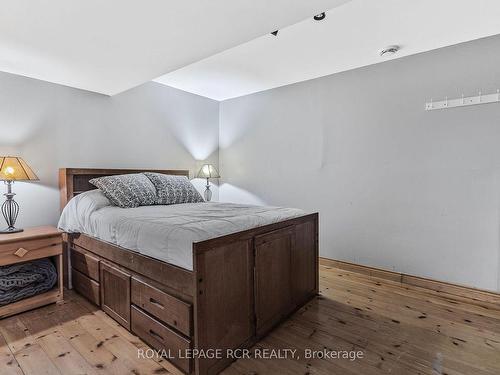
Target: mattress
<point>165,232</point>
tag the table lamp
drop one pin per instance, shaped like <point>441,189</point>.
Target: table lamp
<point>13,169</point>
<point>208,171</point>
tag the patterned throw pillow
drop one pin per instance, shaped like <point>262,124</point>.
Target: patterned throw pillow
<point>173,189</point>
<point>127,190</point>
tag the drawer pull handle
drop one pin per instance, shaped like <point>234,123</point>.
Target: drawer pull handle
<point>21,252</point>
<point>155,335</point>
<point>156,303</point>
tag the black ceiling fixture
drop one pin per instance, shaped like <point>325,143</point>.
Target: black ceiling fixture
<point>275,33</point>
<point>320,17</point>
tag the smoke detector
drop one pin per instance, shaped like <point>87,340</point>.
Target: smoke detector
<point>389,50</point>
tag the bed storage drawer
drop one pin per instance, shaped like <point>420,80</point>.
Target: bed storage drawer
<point>85,286</point>
<point>161,337</point>
<point>163,306</point>
<point>84,262</point>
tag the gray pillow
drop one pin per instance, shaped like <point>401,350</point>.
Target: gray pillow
<point>127,190</point>
<point>173,189</point>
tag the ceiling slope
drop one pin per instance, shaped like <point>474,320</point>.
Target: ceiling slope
<point>110,46</point>
<point>349,37</point>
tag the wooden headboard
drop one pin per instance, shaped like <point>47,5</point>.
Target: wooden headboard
<point>73,181</point>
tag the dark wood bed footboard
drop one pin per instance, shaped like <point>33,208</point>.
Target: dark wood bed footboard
<point>242,285</point>
<point>249,282</point>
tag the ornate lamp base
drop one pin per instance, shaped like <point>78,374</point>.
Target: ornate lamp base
<point>10,210</point>
<point>208,194</point>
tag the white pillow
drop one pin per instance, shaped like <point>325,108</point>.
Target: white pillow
<point>92,200</point>
<point>75,215</point>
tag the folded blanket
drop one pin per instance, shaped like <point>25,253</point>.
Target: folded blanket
<point>22,280</point>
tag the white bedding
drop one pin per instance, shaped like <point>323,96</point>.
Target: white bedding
<point>164,232</point>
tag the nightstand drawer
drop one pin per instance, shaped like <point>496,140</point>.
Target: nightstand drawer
<point>22,251</point>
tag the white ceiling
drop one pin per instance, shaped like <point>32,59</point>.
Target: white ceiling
<point>349,37</point>
<point>109,46</point>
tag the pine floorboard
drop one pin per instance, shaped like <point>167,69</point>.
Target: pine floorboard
<point>400,330</point>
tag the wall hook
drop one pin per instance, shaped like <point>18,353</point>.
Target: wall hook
<point>464,101</point>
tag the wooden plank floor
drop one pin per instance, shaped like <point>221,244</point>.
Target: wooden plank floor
<point>400,330</point>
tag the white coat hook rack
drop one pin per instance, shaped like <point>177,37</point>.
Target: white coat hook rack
<point>463,101</point>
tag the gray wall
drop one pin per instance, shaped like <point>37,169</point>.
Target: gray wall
<point>396,187</point>
<point>52,126</point>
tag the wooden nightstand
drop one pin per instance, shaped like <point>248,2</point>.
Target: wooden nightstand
<point>33,243</point>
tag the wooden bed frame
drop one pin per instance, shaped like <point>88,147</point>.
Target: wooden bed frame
<point>242,284</point>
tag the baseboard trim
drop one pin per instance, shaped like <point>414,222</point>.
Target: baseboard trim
<point>479,295</point>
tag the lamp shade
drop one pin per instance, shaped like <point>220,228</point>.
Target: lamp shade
<point>13,168</point>
<point>208,171</point>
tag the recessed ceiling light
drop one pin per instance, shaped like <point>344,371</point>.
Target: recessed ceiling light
<point>320,17</point>
<point>389,50</point>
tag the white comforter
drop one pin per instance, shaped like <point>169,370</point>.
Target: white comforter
<point>164,232</point>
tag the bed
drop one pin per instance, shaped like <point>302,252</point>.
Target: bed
<point>243,270</point>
